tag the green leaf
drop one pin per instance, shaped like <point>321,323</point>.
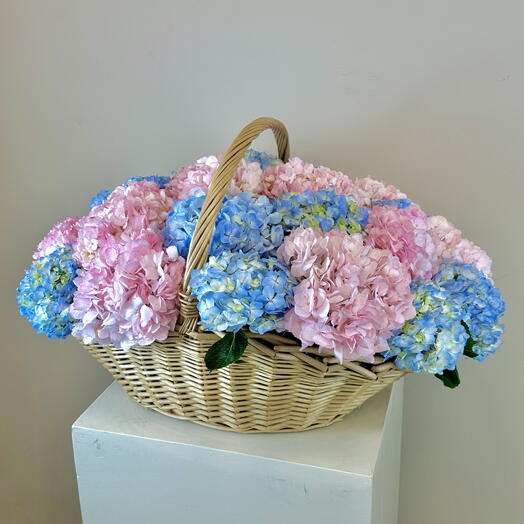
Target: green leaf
<point>226,350</point>
<point>450,379</point>
<point>468,348</point>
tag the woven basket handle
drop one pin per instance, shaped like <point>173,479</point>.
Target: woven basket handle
<point>199,247</point>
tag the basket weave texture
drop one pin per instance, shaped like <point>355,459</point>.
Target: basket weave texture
<point>274,387</point>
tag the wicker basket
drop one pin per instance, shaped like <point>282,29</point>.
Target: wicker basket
<point>274,387</point>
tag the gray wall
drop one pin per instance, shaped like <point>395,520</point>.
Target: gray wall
<point>425,95</point>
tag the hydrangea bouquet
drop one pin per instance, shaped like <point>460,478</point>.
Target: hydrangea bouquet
<point>351,267</point>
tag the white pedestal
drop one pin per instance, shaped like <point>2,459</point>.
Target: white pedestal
<point>136,466</point>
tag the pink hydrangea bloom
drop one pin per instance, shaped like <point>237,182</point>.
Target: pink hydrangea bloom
<point>61,234</point>
<point>140,205</point>
<point>247,179</point>
<point>365,190</point>
<point>124,215</point>
<point>192,180</point>
<point>296,176</point>
<point>196,178</point>
<point>451,244</point>
<point>444,233</point>
<point>405,233</point>
<point>128,288</point>
<point>131,297</point>
<point>95,236</point>
<point>350,296</point>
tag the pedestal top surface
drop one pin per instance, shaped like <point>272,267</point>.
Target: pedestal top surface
<point>350,446</point>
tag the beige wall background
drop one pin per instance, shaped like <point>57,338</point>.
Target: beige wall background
<point>425,95</point>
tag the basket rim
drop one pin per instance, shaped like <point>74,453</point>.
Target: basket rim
<point>272,345</point>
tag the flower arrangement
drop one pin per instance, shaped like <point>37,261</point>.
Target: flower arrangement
<point>351,267</point>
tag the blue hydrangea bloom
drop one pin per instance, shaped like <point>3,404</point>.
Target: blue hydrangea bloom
<point>181,222</point>
<point>244,224</point>
<point>433,340</point>
<point>264,159</point>
<point>479,302</point>
<point>323,209</point>
<point>236,290</point>
<point>46,291</point>
<point>99,198</point>
<point>399,203</point>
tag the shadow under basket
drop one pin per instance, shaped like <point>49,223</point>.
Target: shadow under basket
<point>274,387</point>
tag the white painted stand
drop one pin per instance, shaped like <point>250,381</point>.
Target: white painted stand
<point>136,466</point>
